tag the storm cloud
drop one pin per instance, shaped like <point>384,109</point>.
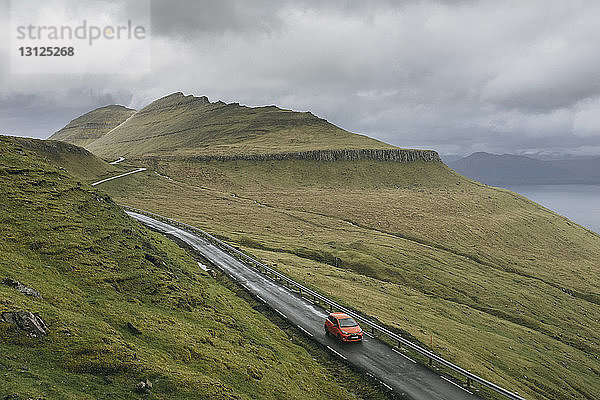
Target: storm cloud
<point>455,76</point>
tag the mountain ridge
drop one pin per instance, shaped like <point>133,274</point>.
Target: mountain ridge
<point>186,125</point>
<point>507,169</point>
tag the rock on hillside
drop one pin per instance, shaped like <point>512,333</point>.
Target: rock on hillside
<point>397,155</point>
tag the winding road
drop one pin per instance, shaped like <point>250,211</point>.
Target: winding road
<point>396,371</point>
<point>119,176</point>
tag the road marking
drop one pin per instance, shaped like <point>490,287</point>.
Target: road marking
<point>118,176</point>
<point>261,299</point>
<point>339,354</point>
<point>405,356</point>
<point>455,384</point>
<point>280,313</point>
<point>387,386</point>
<point>369,335</point>
<point>304,330</point>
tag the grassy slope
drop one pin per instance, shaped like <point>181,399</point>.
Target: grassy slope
<point>76,160</point>
<point>506,288</point>
<point>187,125</point>
<point>97,269</point>
<point>92,125</point>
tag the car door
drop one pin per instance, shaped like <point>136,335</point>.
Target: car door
<point>331,325</point>
<point>335,326</point>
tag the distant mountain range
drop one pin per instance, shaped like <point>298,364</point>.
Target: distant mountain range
<point>508,169</point>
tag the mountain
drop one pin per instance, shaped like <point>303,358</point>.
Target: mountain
<point>90,126</point>
<point>114,304</point>
<point>480,275</point>
<point>188,126</point>
<point>586,170</point>
<point>508,169</point>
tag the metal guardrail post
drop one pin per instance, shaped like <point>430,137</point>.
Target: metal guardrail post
<point>318,297</point>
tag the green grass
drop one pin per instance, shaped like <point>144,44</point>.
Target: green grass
<point>77,161</point>
<point>506,288</point>
<point>90,126</point>
<point>187,125</point>
<point>97,270</point>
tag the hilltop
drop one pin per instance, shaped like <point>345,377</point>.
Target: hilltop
<point>121,304</point>
<point>76,160</point>
<point>90,126</point>
<point>178,125</point>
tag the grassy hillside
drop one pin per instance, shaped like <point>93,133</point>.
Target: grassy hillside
<point>98,270</point>
<point>499,284</point>
<point>76,160</point>
<point>92,125</point>
<point>188,125</point>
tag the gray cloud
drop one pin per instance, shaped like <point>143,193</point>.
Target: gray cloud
<point>41,114</point>
<point>455,76</point>
<point>188,19</point>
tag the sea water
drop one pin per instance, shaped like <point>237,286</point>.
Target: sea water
<point>579,203</point>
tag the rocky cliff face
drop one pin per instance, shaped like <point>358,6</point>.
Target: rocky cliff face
<point>395,155</point>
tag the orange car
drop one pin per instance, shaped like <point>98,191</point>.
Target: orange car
<point>343,327</point>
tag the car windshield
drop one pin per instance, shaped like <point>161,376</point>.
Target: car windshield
<point>347,322</point>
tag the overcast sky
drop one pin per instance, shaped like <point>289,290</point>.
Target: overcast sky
<point>456,76</point>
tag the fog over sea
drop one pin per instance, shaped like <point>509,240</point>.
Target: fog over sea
<point>579,203</point>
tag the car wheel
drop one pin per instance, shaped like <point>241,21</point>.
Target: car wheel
<point>326,332</point>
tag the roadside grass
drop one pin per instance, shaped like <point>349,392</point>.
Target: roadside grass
<point>505,287</point>
<point>362,385</point>
<point>98,270</point>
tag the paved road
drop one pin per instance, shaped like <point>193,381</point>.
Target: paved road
<point>117,161</point>
<point>119,176</point>
<point>395,370</point>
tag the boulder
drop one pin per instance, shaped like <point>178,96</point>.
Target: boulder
<point>144,387</point>
<point>133,329</point>
<point>31,323</point>
<point>21,288</point>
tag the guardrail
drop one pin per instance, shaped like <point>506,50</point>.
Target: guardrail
<point>303,290</point>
